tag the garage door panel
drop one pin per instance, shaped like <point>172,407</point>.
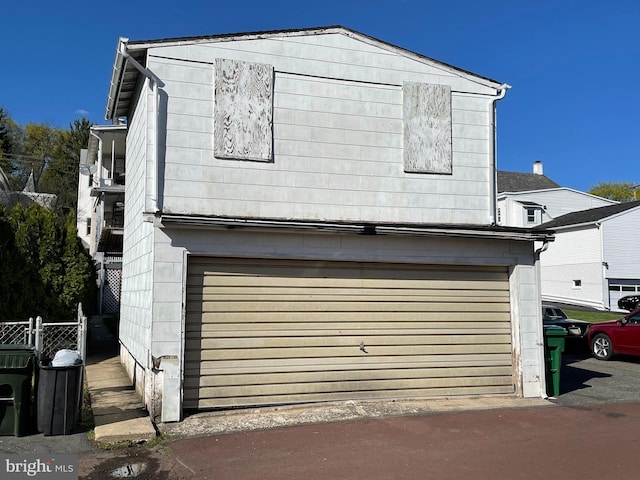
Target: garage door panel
<point>267,289</point>
<point>237,379</point>
<point>223,367</point>
<point>371,341</point>
<point>252,307</point>
<point>323,268</point>
<point>249,401</point>
<point>209,319</point>
<point>359,385</point>
<point>401,283</point>
<point>370,329</point>
<point>264,332</point>
<point>349,351</point>
<point>194,319</point>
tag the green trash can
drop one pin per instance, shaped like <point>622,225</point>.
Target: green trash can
<point>17,363</point>
<point>554,338</point>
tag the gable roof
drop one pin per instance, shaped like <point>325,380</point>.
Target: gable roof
<point>523,182</point>
<point>131,57</point>
<point>591,215</point>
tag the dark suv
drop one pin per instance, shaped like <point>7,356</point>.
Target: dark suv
<point>630,302</point>
<point>555,316</point>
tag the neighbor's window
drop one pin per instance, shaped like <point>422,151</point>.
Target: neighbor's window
<point>577,283</point>
<point>531,215</point>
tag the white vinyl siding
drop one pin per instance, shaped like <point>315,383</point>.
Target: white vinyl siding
<point>338,140</point>
<point>262,332</point>
<point>136,301</point>
<point>621,237</point>
<point>573,255</point>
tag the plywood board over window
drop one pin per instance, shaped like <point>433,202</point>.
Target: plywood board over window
<point>427,128</point>
<point>243,118</point>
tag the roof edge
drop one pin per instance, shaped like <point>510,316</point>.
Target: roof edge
<point>145,44</point>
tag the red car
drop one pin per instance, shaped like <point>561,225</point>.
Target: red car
<point>616,336</point>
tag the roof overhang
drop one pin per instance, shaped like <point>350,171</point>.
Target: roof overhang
<point>356,228</point>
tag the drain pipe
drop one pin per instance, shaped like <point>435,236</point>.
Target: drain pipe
<point>156,84</point>
<point>541,353</point>
<point>502,91</point>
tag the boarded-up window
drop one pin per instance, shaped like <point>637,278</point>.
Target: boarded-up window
<point>243,123</point>
<point>427,128</point>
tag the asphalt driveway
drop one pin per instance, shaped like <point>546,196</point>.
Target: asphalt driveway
<point>587,381</point>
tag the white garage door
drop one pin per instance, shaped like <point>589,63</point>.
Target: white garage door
<point>265,332</point>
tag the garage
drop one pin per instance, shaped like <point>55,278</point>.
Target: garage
<point>268,332</point>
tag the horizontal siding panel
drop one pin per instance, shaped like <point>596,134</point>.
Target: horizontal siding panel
<point>339,57</point>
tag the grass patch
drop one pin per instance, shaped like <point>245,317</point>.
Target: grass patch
<point>592,316</point>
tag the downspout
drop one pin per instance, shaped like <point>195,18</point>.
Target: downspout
<point>502,91</point>
<point>541,353</point>
<point>604,286</point>
<point>156,84</point>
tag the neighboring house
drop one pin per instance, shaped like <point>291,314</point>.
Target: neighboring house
<point>595,258</point>
<point>310,216</point>
<point>26,196</point>
<point>530,199</point>
<point>100,217</point>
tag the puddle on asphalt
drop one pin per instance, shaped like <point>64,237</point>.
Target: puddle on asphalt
<point>131,470</point>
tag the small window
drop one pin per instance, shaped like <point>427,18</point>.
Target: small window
<point>577,284</point>
<point>531,215</point>
<point>628,288</point>
<point>88,226</point>
<point>614,288</point>
<point>90,180</point>
<point>499,217</point>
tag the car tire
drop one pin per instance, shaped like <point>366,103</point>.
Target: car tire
<point>601,347</point>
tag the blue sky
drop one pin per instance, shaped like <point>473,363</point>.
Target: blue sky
<point>574,65</point>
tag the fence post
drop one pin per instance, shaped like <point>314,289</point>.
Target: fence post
<point>82,334</point>
<point>30,334</point>
<point>38,336</point>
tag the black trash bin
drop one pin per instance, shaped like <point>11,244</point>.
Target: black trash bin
<point>59,393</point>
<point>17,363</point>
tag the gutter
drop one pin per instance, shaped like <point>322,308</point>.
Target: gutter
<point>122,58</point>
<point>502,91</point>
<point>355,228</point>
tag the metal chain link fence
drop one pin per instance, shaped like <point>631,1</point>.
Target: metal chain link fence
<point>47,337</point>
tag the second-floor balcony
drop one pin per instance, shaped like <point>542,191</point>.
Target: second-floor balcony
<point>106,159</point>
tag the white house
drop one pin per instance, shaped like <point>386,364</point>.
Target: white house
<point>530,199</point>
<point>100,213</point>
<point>595,258</point>
<point>310,216</point>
